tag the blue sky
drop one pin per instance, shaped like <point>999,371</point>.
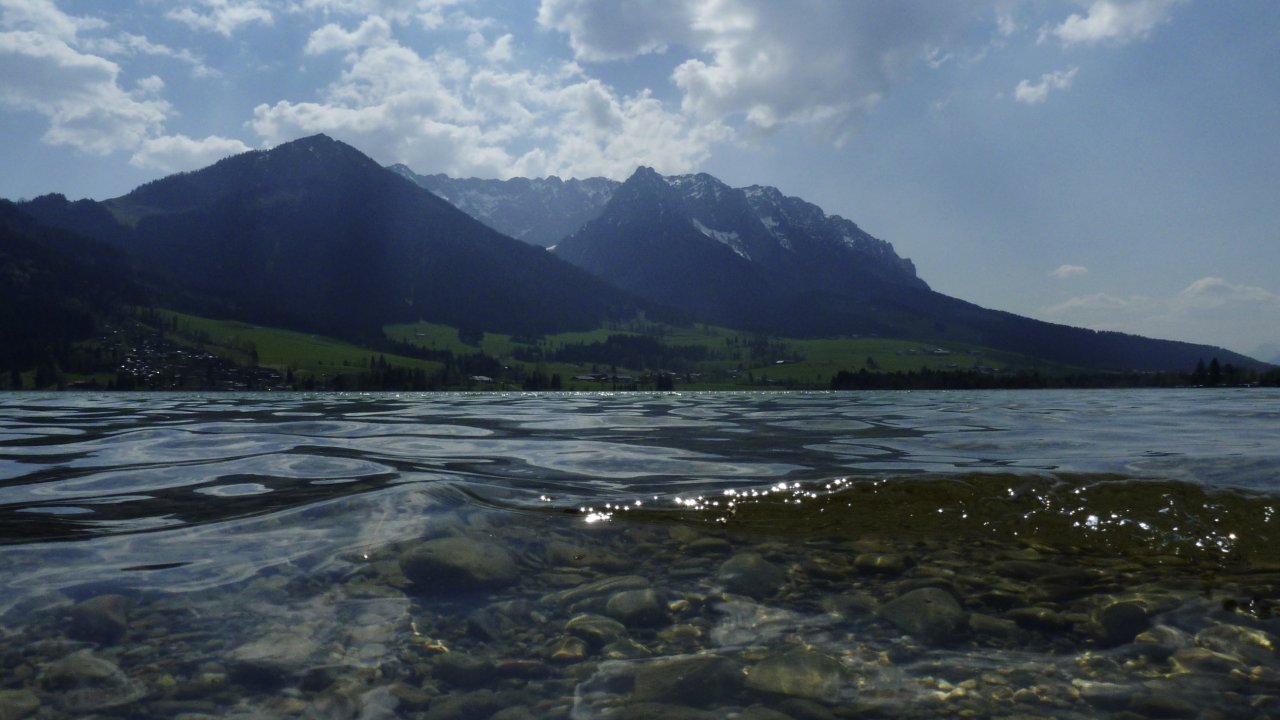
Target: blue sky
<point>1107,163</point>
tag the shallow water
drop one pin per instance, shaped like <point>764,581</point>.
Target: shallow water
<point>967,554</point>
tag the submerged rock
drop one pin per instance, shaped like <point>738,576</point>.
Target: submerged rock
<point>271,660</point>
<point>596,630</point>
<point>458,564</point>
<point>575,597</point>
<point>1122,621</point>
<point>84,682</point>
<point>463,670</point>
<point>929,614</point>
<point>799,673</point>
<point>563,554</point>
<point>877,563</point>
<point>1252,645</point>
<point>698,680</point>
<point>101,620</point>
<point>637,608</point>
<point>18,704</point>
<point>750,574</point>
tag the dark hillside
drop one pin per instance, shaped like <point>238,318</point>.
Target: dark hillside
<point>56,288</point>
<point>315,235</point>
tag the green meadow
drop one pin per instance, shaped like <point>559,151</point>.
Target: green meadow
<point>285,350</point>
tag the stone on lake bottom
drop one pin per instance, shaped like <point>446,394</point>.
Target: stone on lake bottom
<point>750,574</point>
<point>1122,621</point>
<point>929,614</point>
<point>458,564</point>
<point>272,660</point>
<point>84,682</point>
<point>18,704</point>
<point>799,673</point>
<point>699,680</point>
<point>101,620</point>
<point>637,608</point>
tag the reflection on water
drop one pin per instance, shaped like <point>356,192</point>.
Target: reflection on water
<point>1042,554</point>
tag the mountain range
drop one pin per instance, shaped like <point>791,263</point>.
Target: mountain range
<point>314,235</point>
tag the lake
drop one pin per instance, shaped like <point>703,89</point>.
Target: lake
<point>1065,554</point>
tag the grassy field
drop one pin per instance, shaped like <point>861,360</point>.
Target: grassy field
<point>736,359</point>
<point>303,353</point>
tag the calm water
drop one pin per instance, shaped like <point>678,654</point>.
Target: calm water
<point>966,554</point>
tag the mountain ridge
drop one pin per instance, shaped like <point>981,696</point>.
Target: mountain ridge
<point>314,235</point>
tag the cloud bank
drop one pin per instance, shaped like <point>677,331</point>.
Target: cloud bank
<point>454,86</point>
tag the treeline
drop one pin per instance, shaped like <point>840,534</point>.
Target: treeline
<point>1211,375</point>
<point>56,289</point>
<point>633,351</point>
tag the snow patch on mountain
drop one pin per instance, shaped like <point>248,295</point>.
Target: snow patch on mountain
<point>730,238</point>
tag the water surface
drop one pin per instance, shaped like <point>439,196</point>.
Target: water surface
<point>1054,554</point>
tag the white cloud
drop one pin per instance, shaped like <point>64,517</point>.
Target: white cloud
<point>176,153</point>
<point>1209,310</point>
<point>621,29</point>
<point>444,113</point>
<point>43,16</point>
<point>129,44</point>
<point>500,51</point>
<point>373,31</point>
<point>1066,271</point>
<point>222,16</point>
<point>764,63</point>
<point>1037,93</point>
<point>427,11</point>
<point>78,93</point>
<point>1114,21</point>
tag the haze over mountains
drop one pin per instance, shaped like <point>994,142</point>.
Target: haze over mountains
<point>315,235</point>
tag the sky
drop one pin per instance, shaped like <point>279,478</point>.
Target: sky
<point>1113,164</point>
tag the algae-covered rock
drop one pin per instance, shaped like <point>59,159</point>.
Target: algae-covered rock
<point>458,564</point>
